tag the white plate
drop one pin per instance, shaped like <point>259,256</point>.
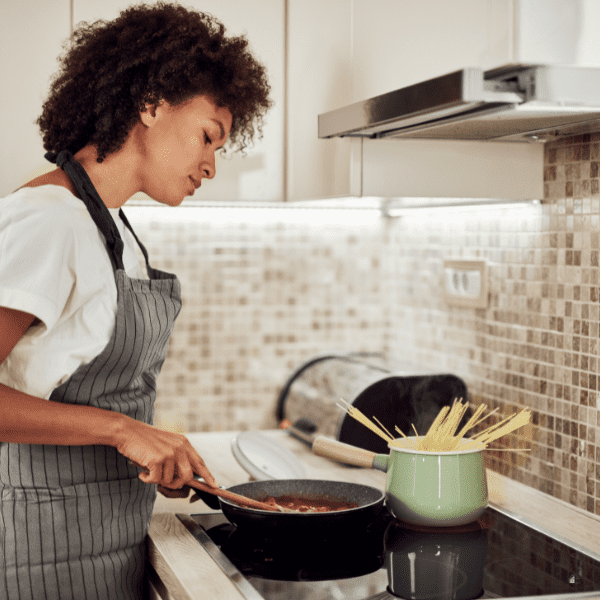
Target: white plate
<point>264,458</point>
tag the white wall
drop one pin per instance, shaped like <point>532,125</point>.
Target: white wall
<point>31,33</point>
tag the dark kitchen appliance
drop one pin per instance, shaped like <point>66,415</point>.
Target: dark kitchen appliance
<point>397,394</point>
<point>498,556</point>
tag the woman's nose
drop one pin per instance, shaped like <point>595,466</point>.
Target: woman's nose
<point>209,167</point>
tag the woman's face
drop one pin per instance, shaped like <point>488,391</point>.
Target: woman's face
<point>178,145</point>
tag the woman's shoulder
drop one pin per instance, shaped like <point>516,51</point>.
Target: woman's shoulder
<point>48,204</point>
<point>57,178</point>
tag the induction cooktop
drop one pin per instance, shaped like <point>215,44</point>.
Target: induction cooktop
<point>499,556</point>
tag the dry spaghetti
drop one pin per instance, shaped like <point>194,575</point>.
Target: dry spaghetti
<point>442,435</point>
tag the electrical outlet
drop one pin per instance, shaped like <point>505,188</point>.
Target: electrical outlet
<point>466,283</point>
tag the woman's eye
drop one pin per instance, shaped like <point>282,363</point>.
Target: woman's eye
<point>207,140</point>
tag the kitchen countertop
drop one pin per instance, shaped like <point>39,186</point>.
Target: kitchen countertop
<point>188,572</point>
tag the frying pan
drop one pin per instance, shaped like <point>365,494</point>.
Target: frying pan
<point>369,499</point>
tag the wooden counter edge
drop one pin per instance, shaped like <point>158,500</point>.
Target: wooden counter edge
<point>184,569</point>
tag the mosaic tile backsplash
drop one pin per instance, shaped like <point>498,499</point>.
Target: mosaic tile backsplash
<point>261,298</point>
<point>258,300</point>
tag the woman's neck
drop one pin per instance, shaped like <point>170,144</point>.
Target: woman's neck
<point>114,178</point>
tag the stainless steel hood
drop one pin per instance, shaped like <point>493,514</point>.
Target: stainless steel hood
<point>511,103</point>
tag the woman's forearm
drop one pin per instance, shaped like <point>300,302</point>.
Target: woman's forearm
<point>167,458</point>
<point>25,419</point>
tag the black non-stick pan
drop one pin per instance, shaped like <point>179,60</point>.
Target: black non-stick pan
<point>369,499</point>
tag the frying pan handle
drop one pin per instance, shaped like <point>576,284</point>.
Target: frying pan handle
<point>351,455</point>
<point>209,499</point>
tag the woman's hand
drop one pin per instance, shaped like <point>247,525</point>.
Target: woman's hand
<point>168,459</point>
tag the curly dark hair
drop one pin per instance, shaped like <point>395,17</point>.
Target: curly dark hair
<point>110,70</point>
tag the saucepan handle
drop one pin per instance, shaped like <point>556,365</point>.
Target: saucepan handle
<point>350,455</point>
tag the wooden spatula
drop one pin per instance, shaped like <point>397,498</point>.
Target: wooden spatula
<point>227,495</point>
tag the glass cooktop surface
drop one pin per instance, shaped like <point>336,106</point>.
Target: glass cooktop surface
<point>498,556</point>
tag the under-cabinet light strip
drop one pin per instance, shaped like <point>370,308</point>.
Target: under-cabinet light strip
<point>256,213</point>
<point>259,215</point>
<point>402,211</point>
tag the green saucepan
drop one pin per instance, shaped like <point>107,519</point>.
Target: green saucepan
<point>432,489</point>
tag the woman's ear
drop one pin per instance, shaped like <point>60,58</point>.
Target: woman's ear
<point>150,112</point>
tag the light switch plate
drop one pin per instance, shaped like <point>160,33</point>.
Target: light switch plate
<point>466,283</point>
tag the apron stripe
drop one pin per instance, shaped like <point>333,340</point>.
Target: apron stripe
<point>3,549</point>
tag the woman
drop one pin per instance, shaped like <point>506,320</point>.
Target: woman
<point>141,103</point>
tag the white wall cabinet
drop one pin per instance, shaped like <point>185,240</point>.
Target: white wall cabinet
<point>557,32</point>
<point>396,44</point>
<point>452,169</point>
<point>319,73</point>
<point>31,34</point>
<point>400,43</point>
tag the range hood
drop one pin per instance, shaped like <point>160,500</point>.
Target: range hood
<point>510,103</point>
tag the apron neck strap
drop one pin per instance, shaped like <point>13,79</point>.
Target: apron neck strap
<point>137,239</point>
<point>96,207</point>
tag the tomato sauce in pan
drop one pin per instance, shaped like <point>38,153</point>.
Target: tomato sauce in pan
<point>309,504</point>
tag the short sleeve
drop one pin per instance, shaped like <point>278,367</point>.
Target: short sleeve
<point>36,259</point>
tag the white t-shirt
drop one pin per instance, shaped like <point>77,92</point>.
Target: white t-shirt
<point>54,265</point>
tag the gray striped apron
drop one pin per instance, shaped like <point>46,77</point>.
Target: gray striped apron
<point>73,519</point>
